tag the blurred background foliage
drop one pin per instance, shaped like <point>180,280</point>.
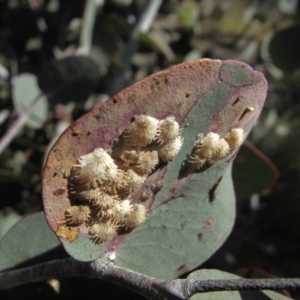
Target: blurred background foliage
<point>123,41</point>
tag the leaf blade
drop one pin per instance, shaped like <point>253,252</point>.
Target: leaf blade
<point>210,95</point>
<point>29,238</point>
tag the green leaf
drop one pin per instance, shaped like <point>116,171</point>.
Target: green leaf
<point>207,274</point>
<point>252,172</point>
<point>70,79</point>
<point>29,238</point>
<point>25,91</point>
<point>148,40</point>
<point>193,214</point>
<point>188,13</point>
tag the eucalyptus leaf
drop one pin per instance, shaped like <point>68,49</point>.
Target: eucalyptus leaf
<point>25,91</point>
<point>8,218</point>
<point>193,213</point>
<point>185,231</point>
<point>29,238</point>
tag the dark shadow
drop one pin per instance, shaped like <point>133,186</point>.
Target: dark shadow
<point>56,253</point>
<point>75,288</point>
<point>254,295</point>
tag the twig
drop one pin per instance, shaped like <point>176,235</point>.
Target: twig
<point>142,25</point>
<point>19,123</point>
<point>146,19</point>
<point>89,17</point>
<point>51,269</point>
<point>138,283</point>
<point>102,269</point>
<point>243,284</point>
<point>148,287</point>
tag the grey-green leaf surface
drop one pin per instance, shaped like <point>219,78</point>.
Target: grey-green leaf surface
<point>210,274</point>
<point>184,231</point>
<point>30,237</point>
<point>25,91</point>
<point>8,218</point>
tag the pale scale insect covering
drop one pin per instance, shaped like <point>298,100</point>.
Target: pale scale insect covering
<point>142,162</point>
<point>211,147</point>
<point>168,129</point>
<point>96,167</point>
<point>124,207</point>
<point>102,231</point>
<point>77,215</point>
<point>89,195</point>
<point>105,200</point>
<point>141,131</point>
<point>111,213</point>
<point>146,163</point>
<point>197,162</point>
<point>135,181</point>
<point>120,210</point>
<point>99,181</point>
<point>128,182</point>
<point>136,217</point>
<point>130,156</point>
<point>235,138</point>
<point>168,151</point>
<point>220,151</point>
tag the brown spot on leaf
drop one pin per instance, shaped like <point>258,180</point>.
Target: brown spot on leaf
<point>247,109</point>
<point>180,270</point>
<point>75,132</point>
<point>172,190</point>
<point>240,159</point>
<point>131,99</point>
<point>59,192</point>
<point>212,190</point>
<point>174,186</point>
<point>209,222</point>
<point>69,233</point>
<point>156,187</point>
<point>237,100</point>
<point>181,267</point>
<point>113,142</point>
<point>146,195</point>
<point>199,236</point>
